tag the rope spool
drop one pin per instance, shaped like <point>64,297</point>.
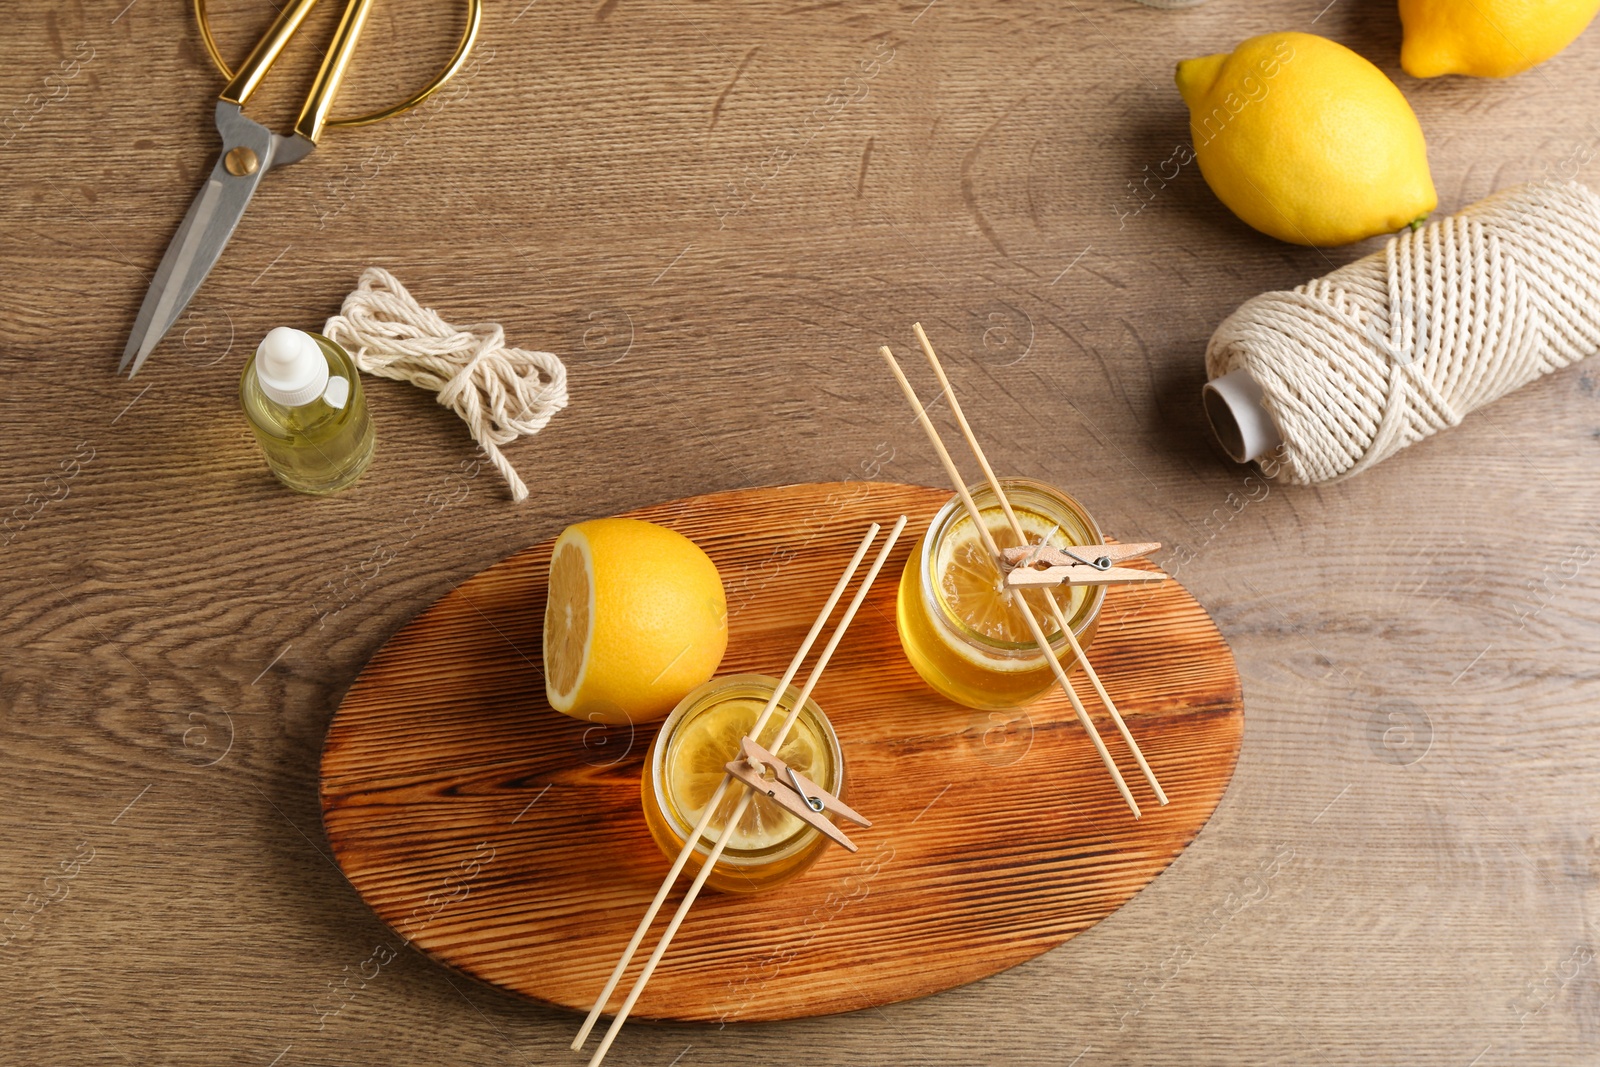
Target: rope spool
<point>1346,370</point>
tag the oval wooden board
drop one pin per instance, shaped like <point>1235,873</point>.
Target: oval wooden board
<point>506,840</point>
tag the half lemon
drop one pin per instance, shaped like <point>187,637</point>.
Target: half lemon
<point>636,618</point>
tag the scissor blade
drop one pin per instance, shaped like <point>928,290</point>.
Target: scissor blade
<point>200,240</point>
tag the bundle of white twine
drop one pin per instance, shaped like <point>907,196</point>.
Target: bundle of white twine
<point>501,393</point>
<point>1360,363</point>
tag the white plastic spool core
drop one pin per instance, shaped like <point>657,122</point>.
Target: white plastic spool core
<point>1244,427</point>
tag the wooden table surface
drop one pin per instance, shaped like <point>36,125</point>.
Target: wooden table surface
<point>715,212</point>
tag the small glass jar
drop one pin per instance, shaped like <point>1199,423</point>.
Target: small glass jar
<point>688,758</point>
<point>970,667</point>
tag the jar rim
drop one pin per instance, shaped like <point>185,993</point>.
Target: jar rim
<point>735,686</point>
<point>939,611</point>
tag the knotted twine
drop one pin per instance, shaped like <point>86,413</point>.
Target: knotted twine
<point>501,393</point>
<point>1362,362</point>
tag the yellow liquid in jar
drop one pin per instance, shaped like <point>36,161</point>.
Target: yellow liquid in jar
<point>961,633</point>
<point>688,760</point>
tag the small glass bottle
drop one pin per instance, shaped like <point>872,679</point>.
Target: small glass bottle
<point>963,664</point>
<point>301,394</point>
<point>687,760</point>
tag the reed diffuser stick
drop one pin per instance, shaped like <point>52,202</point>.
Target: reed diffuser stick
<point>1016,597</point>
<point>744,801</point>
<point>1016,529</point>
<point>716,798</point>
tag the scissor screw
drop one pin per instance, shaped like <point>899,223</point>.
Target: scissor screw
<point>241,162</point>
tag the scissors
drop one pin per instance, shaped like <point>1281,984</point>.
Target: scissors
<point>249,150</point>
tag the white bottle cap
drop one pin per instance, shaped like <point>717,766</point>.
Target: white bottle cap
<point>1242,423</point>
<point>291,367</point>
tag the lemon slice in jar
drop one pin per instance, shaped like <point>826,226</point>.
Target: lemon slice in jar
<point>701,750</point>
<point>972,590</point>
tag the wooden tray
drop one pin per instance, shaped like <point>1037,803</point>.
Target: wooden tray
<point>506,840</point>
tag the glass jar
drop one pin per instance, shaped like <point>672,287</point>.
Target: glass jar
<point>688,759</point>
<point>973,668</point>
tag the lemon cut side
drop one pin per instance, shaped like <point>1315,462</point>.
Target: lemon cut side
<point>567,629</point>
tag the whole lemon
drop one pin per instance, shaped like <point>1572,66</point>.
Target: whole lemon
<point>1487,38</point>
<point>1306,141</point>
<point>636,617</point>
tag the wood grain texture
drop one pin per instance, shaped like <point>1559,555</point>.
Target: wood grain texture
<point>506,840</point>
<point>690,204</point>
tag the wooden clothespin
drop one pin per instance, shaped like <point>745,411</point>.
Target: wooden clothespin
<point>793,791</point>
<point>1078,565</point>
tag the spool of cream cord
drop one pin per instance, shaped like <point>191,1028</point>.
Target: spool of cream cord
<point>1344,371</point>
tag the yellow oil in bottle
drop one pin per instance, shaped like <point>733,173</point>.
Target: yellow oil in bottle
<point>302,396</point>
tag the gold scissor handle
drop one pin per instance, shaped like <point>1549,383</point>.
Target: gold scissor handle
<point>315,112</point>
<point>314,116</point>
<point>262,56</point>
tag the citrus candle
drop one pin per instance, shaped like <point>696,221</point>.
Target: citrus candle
<point>689,758</point>
<point>959,627</point>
